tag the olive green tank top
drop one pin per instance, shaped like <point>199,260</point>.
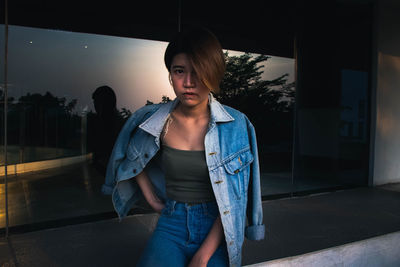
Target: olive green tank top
<point>186,175</point>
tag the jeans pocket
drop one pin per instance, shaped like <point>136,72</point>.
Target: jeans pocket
<point>168,209</point>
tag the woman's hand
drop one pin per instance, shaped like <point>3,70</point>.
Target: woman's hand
<point>147,189</point>
<point>198,261</point>
<point>157,205</point>
<point>209,245</point>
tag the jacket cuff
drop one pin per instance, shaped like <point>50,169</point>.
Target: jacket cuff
<point>255,232</point>
<point>106,189</point>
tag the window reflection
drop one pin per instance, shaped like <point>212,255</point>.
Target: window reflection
<point>353,124</point>
<point>59,139</point>
<point>263,88</point>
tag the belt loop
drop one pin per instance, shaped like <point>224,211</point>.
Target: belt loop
<point>173,203</point>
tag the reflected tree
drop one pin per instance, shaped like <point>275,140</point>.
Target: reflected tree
<point>268,103</point>
<point>125,113</point>
<point>46,120</point>
<point>243,84</point>
<point>164,99</point>
<point>37,120</point>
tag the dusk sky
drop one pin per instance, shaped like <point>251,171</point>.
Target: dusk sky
<point>73,65</point>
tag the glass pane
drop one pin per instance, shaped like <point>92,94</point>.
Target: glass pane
<point>60,132</point>
<point>62,124</point>
<point>262,87</point>
<point>354,137</point>
<point>333,96</point>
<point>2,130</point>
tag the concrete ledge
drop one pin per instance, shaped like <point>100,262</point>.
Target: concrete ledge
<point>43,165</point>
<point>358,227</point>
<point>378,251</point>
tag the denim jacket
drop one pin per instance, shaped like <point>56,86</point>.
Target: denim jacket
<point>232,160</point>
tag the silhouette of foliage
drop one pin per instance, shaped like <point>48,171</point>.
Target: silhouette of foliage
<point>164,99</point>
<point>268,103</point>
<point>43,120</point>
<point>47,101</point>
<point>243,84</point>
<point>125,113</point>
<point>10,99</point>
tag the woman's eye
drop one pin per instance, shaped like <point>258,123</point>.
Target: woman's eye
<point>178,71</point>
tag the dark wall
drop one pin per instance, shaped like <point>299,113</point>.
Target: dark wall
<point>256,26</point>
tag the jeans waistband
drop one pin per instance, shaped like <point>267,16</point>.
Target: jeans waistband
<point>173,204</point>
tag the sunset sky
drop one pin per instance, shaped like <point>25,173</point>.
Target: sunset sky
<point>73,65</point>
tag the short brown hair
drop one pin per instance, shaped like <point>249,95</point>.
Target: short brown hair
<point>204,52</point>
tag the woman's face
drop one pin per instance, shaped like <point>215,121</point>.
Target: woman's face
<point>188,88</point>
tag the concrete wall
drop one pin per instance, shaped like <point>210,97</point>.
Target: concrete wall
<point>386,98</point>
<point>379,251</point>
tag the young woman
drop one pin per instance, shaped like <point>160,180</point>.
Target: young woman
<point>193,160</point>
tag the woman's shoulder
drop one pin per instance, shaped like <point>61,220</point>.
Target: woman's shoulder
<point>148,108</point>
<point>236,114</point>
<point>143,113</point>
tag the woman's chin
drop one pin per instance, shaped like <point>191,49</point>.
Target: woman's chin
<point>189,101</point>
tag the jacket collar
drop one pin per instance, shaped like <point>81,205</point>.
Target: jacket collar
<point>218,112</point>
<point>155,123</point>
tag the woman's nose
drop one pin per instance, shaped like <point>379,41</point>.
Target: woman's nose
<point>189,80</point>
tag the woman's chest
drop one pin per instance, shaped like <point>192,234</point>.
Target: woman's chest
<point>185,135</point>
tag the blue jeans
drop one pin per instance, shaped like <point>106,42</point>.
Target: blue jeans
<point>180,231</point>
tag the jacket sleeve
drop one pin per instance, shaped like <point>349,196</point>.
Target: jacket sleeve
<point>255,229</point>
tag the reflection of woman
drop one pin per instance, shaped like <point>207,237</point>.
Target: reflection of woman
<point>104,127</point>
<point>209,162</point>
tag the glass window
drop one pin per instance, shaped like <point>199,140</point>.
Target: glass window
<point>263,87</point>
<point>333,96</point>
<point>66,89</point>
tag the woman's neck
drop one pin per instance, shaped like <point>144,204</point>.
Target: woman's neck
<point>196,112</point>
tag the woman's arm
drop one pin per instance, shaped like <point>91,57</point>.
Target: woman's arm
<point>148,191</point>
<point>209,245</point>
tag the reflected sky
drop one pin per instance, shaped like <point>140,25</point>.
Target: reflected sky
<point>73,65</point>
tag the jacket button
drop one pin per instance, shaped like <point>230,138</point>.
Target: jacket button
<point>230,243</point>
<point>134,170</point>
<point>218,182</point>
<point>212,153</point>
<point>226,212</point>
<point>146,155</point>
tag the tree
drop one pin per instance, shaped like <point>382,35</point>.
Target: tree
<point>10,99</point>
<point>125,113</point>
<point>164,99</point>
<point>43,120</point>
<point>267,103</point>
<point>243,84</point>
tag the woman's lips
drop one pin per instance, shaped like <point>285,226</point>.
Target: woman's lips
<point>189,94</point>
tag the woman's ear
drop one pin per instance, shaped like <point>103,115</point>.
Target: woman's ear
<point>169,78</point>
